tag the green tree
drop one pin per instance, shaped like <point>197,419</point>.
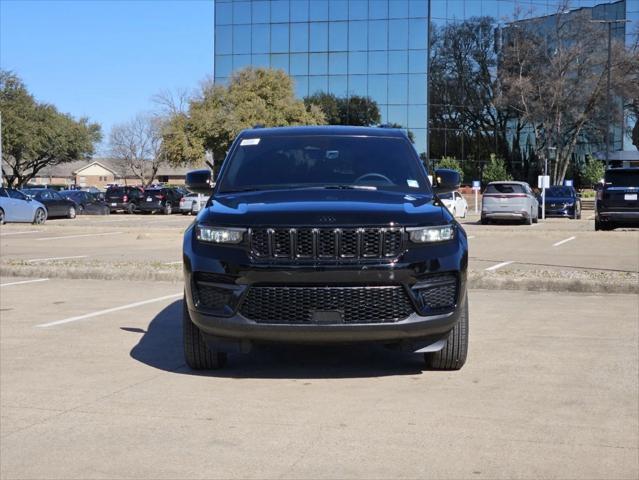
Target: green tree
<point>495,170</point>
<point>451,164</point>
<point>35,135</point>
<point>219,112</point>
<point>592,171</point>
<point>353,110</point>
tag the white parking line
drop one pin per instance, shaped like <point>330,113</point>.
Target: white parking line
<point>108,310</point>
<point>23,282</point>
<point>78,236</point>
<point>472,236</point>
<point>563,241</point>
<point>36,260</point>
<point>499,265</point>
<point>173,263</point>
<point>18,233</point>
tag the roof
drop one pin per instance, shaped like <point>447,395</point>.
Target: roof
<point>620,155</point>
<point>101,163</point>
<point>70,169</point>
<point>324,130</point>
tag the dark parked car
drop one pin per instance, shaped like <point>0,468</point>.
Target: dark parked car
<point>617,202</point>
<point>160,199</point>
<point>324,235</point>
<point>561,201</point>
<point>88,203</point>
<point>123,198</point>
<point>57,205</point>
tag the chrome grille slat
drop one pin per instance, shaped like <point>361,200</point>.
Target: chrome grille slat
<point>326,244</point>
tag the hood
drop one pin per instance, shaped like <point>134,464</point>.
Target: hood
<point>320,207</point>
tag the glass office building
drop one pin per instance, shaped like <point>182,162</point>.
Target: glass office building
<point>377,48</point>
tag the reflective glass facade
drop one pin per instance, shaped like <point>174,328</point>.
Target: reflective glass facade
<point>381,48</point>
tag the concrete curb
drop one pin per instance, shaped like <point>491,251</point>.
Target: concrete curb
<point>539,281</point>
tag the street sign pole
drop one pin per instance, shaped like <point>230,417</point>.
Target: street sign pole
<point>476,187</point>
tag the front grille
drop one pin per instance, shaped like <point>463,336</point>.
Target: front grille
<point>440,293</point>
<point>326,243</point>
<point>383,304</point>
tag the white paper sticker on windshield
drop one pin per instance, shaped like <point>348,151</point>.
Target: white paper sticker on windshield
<point>249,141</point>
<point>412,183</point>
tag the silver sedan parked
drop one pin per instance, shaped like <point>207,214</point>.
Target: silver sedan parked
<point>15,206</point>
<point>509,201</point>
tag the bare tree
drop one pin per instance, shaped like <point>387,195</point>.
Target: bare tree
<point>172,102</point>
<point>137,147</point>
<point>553,75</point>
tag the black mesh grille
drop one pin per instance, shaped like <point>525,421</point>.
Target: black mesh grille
<point>326,243</point>
<point>347,304</point>
<point>442,295</point>
<point>209,296</point>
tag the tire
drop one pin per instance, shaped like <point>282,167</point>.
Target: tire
<point>536,219</point>
<point>484,221</point>
<point>71,213</point>
<point>454,354</point>
<point>465,212</point>
<point>197,354</point>
<point>40,216</point>
<point>130,209</point>
<point>529,219</point>
<point>168,210</point>
<point>1,217</point>
<point>80,209</point>
<point>597,225</point>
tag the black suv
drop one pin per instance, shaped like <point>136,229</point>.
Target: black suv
<point>617,203</point>
<point>160,199</point>
<point>124,198</point>
<point>324,235</point>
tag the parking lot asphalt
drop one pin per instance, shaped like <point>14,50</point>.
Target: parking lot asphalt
<point>93,385</point>
<point>553,244</point>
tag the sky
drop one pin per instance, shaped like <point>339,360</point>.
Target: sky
<point>106,59</point>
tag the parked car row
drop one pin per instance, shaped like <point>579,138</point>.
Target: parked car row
<point>134,199</point>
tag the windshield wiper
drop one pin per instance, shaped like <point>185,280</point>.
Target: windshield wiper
<point>349,187</point>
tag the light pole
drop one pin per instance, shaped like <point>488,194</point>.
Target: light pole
<point>551,153</point>
<point>608,68</point>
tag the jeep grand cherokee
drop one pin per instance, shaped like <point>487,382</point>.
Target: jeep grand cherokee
<point>324,235</point>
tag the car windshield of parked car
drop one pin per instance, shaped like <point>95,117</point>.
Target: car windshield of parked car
<point>505,188</point>
<point>16,194</point>
<point>446,196</point>
<point>622,178</point>
<point>559,192</point>
<point>327,161</point>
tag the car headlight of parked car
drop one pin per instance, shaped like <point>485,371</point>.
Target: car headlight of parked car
<point>219,234</point>
<point>431,234</point>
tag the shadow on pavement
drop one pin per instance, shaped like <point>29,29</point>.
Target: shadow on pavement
<point>161,347</point>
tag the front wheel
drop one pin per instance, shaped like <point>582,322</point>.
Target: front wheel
<point>40,216</point>
<point>168,210</point>
<point>454,354</point>
<point>1,217</point>
<point>197,354</point>
<point>130,209</point>
<point>71,212</point>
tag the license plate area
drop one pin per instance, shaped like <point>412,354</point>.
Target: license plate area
<point>630,196</point>
<point>114,204</point>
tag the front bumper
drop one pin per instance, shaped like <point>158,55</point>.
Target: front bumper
<point>236,272</point>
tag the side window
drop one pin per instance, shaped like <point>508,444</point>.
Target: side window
<point>55,196</point>
<point>3,193</point>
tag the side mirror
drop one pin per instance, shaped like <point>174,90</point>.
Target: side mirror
<point>446,181</point>
<point>199,181</point>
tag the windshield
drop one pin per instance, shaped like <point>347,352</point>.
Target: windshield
<point>446,196</point>
<point>622,178</point>
<point>504,188</point>
<point>323,161</point>
<point>559,192</point>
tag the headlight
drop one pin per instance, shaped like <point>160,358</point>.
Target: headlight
<point>219,234</point>
<point>431,234</point>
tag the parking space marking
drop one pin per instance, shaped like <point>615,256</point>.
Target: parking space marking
<point>566,240</point>
<point>499,265</point>
<point>18,233</point>
<point>22,282</point>
<point>36,260</point>
<point>173,263</point>
<point>472,236</point>
<point>108,310</point>
<point>78,236</point>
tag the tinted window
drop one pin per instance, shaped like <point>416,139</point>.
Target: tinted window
<point>3,193</point>
<point>622,178</point>
<point>115,191</point>
<point>559,192</point>
<point>505,188</point>
<point>16,194</point>
<point>324,160</point>
<point>445,196</point>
